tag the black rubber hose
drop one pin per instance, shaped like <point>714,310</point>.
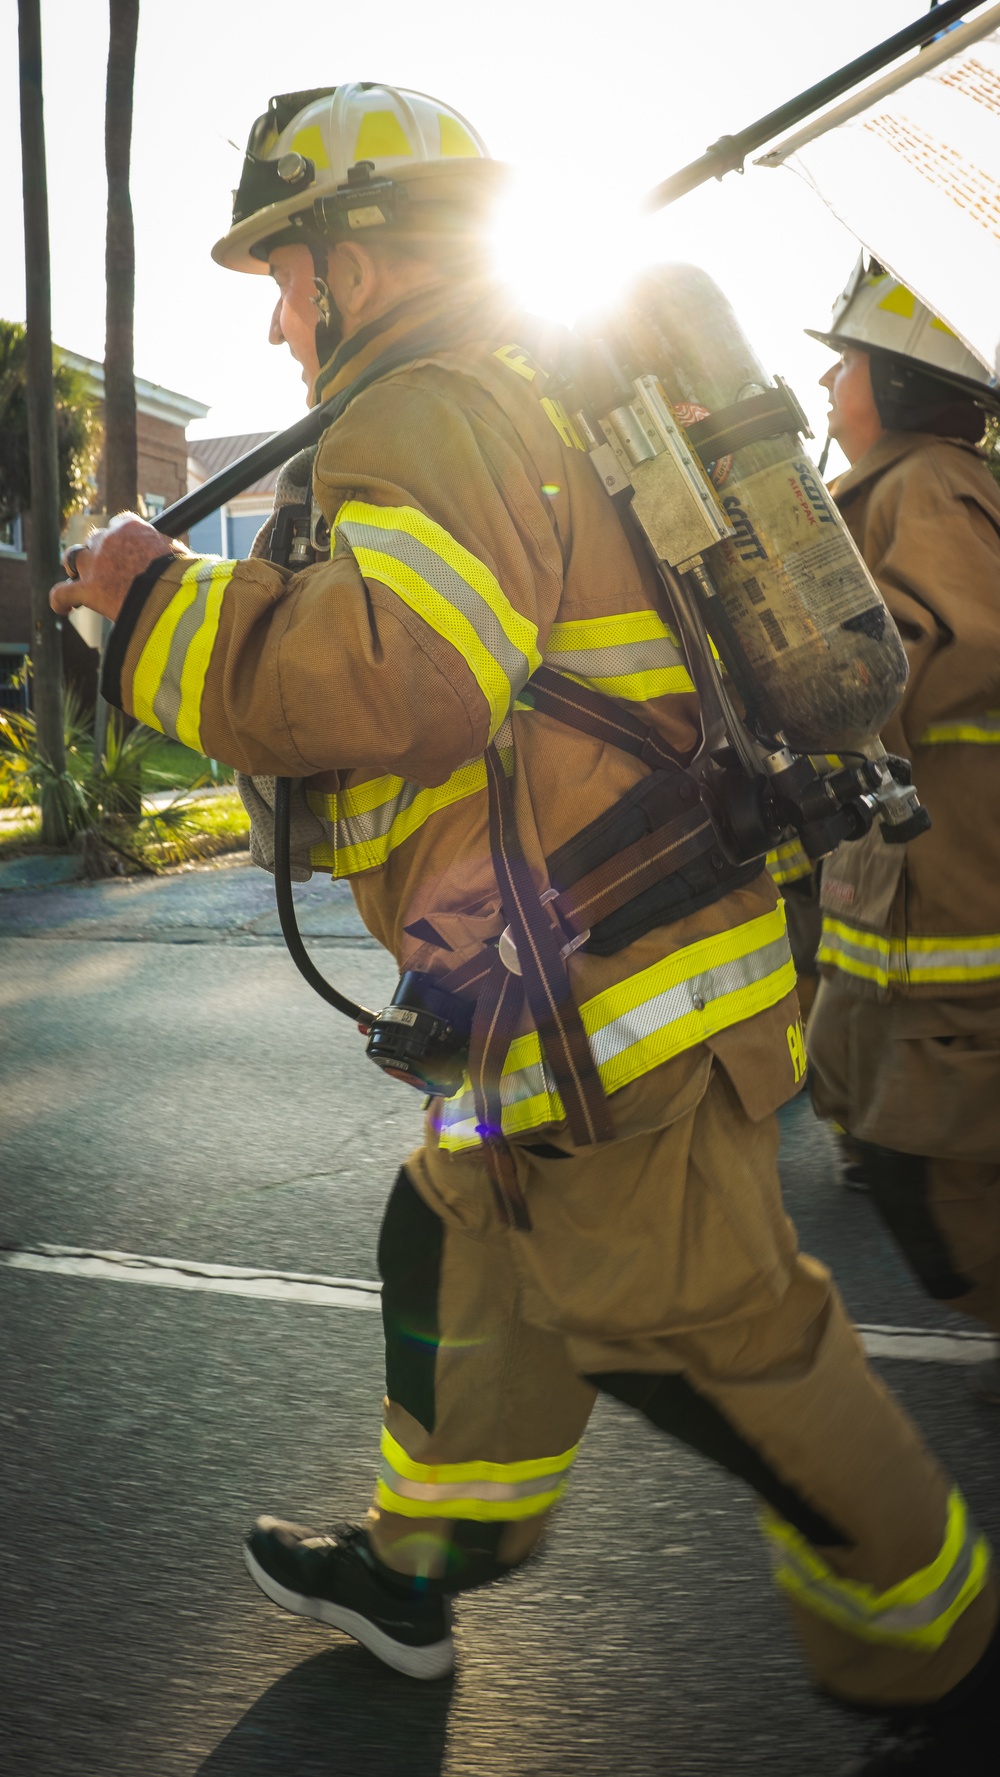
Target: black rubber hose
<point>286,910</point>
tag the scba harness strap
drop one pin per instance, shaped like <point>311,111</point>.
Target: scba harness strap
<point>603,878</point>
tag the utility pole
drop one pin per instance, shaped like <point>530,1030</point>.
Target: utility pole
<point>120,446</point>
<point>43,540</point>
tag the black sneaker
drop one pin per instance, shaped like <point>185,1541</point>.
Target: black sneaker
<point>960,1747</point>
<point>984,1380</point>
<point>333,1578</point>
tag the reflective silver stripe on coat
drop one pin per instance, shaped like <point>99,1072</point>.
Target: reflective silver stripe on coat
<point>976,730</point>
<point>634,1025</point>
<point>920,961</point>
<point>677,1002</point>
<point>426,563</point>
<point>167,701</point>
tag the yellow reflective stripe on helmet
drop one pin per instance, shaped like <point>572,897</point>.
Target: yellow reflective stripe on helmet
<point>977,731</point>
<point>450,589</point>
<point>918,1613</point>
<point>482,1491</point>
<point>633,656</point>
<point>169,679</point>
<point>366,822</point>
<point>914,961</point>
<point>789,862</point>
<point>643,1021</point>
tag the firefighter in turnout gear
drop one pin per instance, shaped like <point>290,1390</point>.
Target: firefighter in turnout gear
<point>905,1035</point>
<point>477,688</point>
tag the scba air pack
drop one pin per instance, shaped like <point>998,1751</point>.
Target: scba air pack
<point>792,650</point>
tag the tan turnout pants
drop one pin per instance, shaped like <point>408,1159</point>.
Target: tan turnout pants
<point>665,1268</point>
<point>917,1084</point>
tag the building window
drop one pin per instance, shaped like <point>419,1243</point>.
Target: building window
<point>242,528</point>
<point>13,680</point>
<point>154,504</point>
<point>11,536</point>
<point>205,537</point>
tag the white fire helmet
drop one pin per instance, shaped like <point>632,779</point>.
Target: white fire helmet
<point>877,313</point>
<point>334,160</point>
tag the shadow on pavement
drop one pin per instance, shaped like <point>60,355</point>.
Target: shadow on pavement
<point>338,1715</point>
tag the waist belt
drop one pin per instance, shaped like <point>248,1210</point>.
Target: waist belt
<point>654,857</point>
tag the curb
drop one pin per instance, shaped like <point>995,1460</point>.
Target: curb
<point>35,872</point>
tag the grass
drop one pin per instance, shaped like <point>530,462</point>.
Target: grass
<point>222,823</point>
<point>169,766</point>
<point>104,809</point>
<point>222,826</point>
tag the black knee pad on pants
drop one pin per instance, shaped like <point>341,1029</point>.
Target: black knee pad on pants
<point>410,1247</point>
<point>673,1405</point>
<point>900,1188</point>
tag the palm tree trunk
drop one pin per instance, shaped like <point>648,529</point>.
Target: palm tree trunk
<point>120,448</point>
<point>43,540</point>
<point>120,464</point>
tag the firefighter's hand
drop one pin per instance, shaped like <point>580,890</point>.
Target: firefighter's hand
<point>102,569</point>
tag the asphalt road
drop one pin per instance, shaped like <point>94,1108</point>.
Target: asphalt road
<point>170,1087</point>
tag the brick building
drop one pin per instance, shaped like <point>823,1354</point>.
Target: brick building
<point>230,531</point>
<point>162,420</point>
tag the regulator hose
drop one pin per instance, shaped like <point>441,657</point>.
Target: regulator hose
<point>286,910</point>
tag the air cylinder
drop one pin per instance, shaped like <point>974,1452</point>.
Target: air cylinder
<point>795,614</point>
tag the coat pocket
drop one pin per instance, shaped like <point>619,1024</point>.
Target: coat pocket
<point>861,880</point>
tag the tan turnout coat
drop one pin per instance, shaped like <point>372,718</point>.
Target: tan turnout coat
<point>471,538</point>
<point>905,1039</point>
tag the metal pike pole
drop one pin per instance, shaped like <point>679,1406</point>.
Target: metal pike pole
<point>725,156</point>
<point>729,152</point>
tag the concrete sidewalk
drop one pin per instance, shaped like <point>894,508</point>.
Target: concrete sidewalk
<point>45,869</point>
<point>231,901</point>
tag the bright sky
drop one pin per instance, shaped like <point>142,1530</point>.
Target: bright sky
<point>596,104</point>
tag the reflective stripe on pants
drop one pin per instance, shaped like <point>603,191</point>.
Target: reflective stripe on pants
<point>917,1613</point>
<point>483,1491</point>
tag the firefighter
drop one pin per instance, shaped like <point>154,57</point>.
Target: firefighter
<point>904,1039</point>
<point>597,1207</point>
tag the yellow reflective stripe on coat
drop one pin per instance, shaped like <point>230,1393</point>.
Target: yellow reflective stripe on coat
<point>450,589</point>
<point>483,1491</point>
<point>909,961</point>
<point>976,731</point>
<point>642,1021</point>
<point>366,822</point>
<point>169,680</point>
<point>633,656</point>
<point>789,862</point>
<point>918,1613</point>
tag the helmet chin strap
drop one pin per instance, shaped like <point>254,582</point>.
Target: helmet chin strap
<point>329,325</point>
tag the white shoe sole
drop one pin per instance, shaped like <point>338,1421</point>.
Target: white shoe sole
<point>433,1661</point>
